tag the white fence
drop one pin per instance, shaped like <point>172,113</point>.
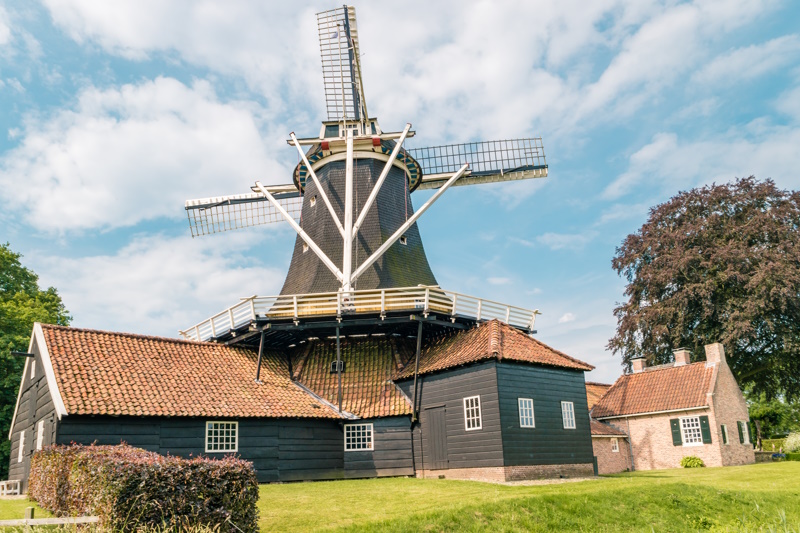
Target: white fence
<point>377,301</point>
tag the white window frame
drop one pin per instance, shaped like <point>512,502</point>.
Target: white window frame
<point>472,413</point>
<point>21,452</point>
<point>687,431</point>
<point>568,415</point>
<point>615,444</point>
<point>526,420</point>
<point>39,434</point>
<point>725,437</point>
<point>746,432</point>
<point>33,369</point>
<point>359,443</point>
<point>219,446</point>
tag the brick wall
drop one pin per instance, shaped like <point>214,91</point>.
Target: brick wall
<point>651,439</point>
<point>730,407</point>
<point>608,461</point>
<point>498,474</point>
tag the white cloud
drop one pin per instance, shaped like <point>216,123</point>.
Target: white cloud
<point>789,103</point>
<point>5,28</point>
<point>498,281</point>
<point>567,317</point>
<point>135,153</point>
<point>759,149</point>
<point>750,62</point>
<point>155,284</point>
<point>566,241</point>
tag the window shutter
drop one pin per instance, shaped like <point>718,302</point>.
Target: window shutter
<point>724,430</point>
<point>675,424</point>
<point>741,432</point>
<point>705,429</point>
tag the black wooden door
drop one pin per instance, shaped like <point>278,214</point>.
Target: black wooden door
<point>437,438</point>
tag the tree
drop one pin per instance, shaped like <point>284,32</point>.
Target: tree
<point>772,417</point>
<point>22,303</point>
<point>719,263</point>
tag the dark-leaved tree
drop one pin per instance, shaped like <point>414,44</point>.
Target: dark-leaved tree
<point>719,263</point>
<point>22,303</point>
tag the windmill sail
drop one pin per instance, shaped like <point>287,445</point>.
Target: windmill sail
<point>215,215</point>
<point>341,67</point>
<point>489,161</point>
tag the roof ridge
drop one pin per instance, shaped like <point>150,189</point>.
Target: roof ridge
<point>495,339</point>
<point>131,335</point>
<point>558,352</point>
<point>661,368</point>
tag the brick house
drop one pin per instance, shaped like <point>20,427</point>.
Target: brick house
<point>610,446</point>
<point>667,412</point>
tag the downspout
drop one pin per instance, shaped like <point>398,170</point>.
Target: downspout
<point>416,373</point>
<point>630,442</point>
<point>339,367</point>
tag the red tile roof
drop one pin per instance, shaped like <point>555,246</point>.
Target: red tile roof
<point>489,340</point>
<point>595,391</point>
<point>604,430</point>
<point>667,388</point>
<point>100,372</point>
<point>367,389</point>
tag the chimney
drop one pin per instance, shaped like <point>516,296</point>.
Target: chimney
<point>715,353</point>
<point>682,356</point>
<point>638,363</point>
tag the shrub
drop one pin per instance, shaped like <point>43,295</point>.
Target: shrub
<point>48,482</point>
<point>792,456</point>
<point>792,443</point>
<point>692,461</point>
<point>130,489</point>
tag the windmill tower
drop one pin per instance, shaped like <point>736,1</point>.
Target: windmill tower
<point>350,200</point>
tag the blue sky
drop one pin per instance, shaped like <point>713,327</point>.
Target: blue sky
<point>114,113</point>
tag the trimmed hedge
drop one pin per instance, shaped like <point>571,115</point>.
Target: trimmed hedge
<point>793,456</point>
<point>130,488</point>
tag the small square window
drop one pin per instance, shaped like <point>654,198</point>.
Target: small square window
<point>222,437</point>
<point>615,445</point>
<point>690,431</point>
<point>357,437</point>
<point>568,415</point>
<point>472,413</point>
<point>404,240</point>
<point>526,413</point>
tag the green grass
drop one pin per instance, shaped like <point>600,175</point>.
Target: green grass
<point>12,509</point>
<point>763,497</point>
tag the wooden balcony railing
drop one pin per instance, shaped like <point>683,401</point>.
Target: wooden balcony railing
<point>378,301</point>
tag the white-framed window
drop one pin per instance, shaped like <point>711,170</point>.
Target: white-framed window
<point>526,413</point>
<point>357,437</point>
<point>746,432</point>
<point>21,452</point>
<point>724,429</point>
<point>568,415</point>
<point>472,413</point>
<point>690,431</point>
<point>39,434</point>
<point>222,436</point>
<point>615,445</point>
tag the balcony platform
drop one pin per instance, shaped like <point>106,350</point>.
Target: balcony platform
<point>288,318</point>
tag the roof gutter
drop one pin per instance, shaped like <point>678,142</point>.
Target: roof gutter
<point>652,413</point>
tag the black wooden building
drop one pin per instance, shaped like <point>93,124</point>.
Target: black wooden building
<point>491,403</point>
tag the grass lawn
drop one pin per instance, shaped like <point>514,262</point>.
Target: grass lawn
<point>764,497</point>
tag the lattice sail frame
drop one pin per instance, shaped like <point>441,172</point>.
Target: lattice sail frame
<point>215,215</point>
<point>486,157</point>
<point>341,69</point>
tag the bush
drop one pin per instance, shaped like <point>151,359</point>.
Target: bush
<point>692,461</point>
<point>792,456</point>
<point>129,488</point>
<point>48,482</point>
<point>792,443</point>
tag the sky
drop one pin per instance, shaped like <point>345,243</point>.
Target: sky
<point>114,113</point>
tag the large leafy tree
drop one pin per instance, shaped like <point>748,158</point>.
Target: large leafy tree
<point>719,263</point>
<point>22,303</point>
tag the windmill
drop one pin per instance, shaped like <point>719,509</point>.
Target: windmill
<point>350,199</point>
